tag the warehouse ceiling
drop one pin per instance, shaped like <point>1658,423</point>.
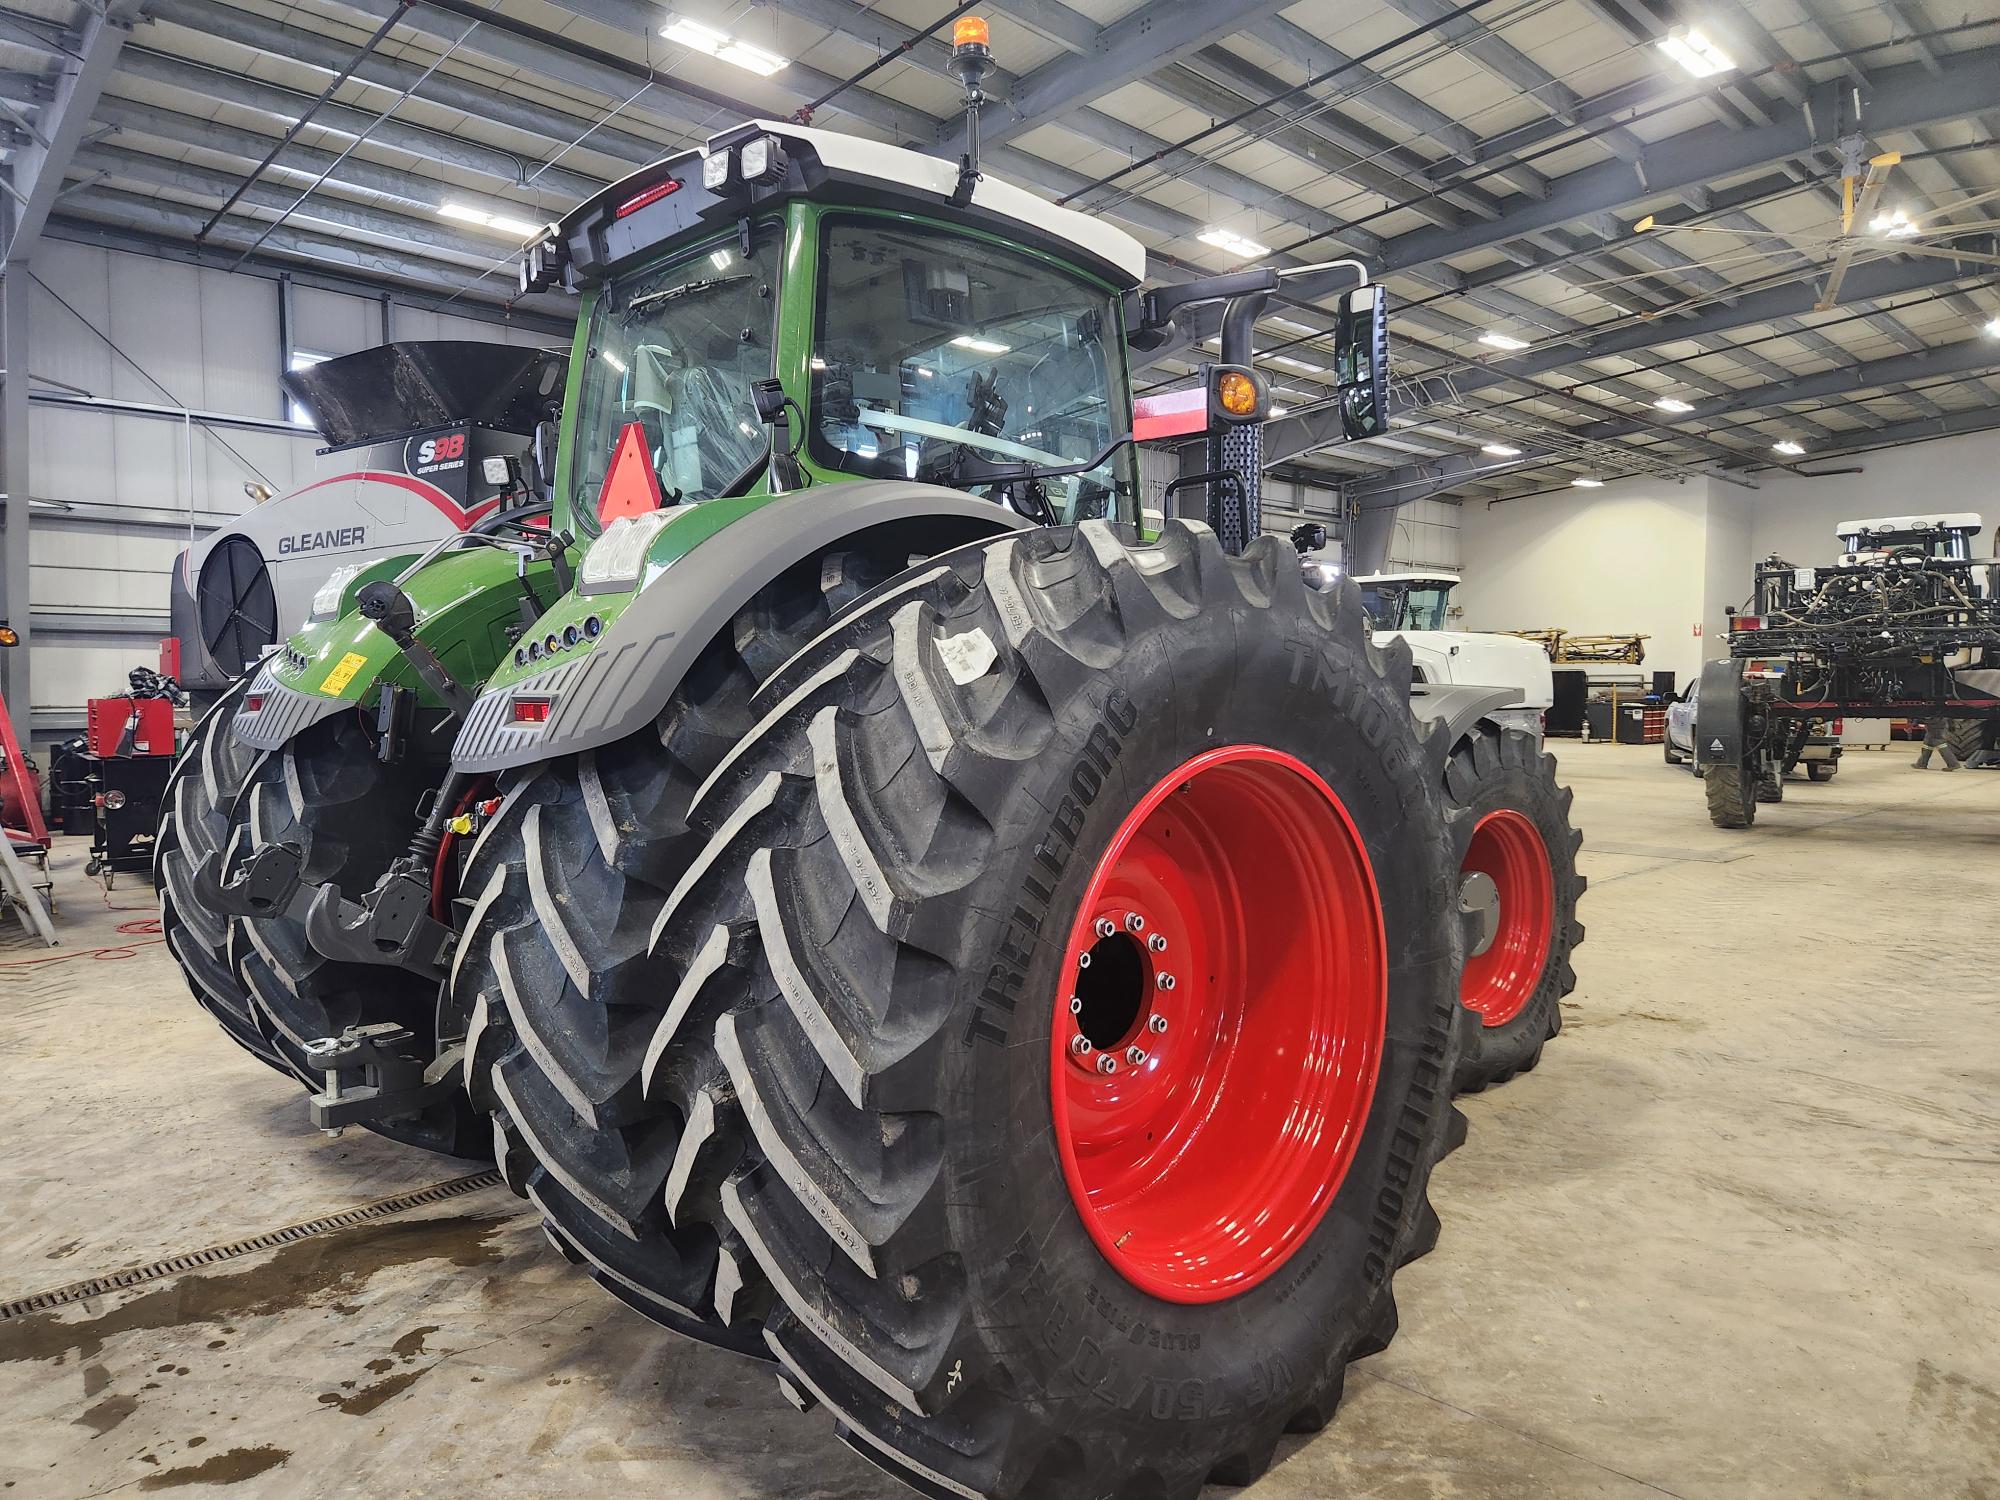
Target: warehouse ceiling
<point>1573,225</point>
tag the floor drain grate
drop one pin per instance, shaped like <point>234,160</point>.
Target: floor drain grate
<point>174,1265</point>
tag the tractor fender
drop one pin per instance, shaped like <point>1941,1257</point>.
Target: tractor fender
<point>1718,714</point>
<point>1457,707</point>
<point>625,680</point>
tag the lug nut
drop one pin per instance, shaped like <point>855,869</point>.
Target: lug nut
<point>1134,922</point>
<point>1157,1024</point>
<point>1076,1005</point>
<point>1080,1045</point>
<point>1104,927</point>
<point>1083,960</point>
<point>1164,981</point>
<point>1157,942</point>
<point>1106,1063</point>
<point>1135,1055</point>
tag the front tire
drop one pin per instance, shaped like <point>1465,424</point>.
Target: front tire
<point>1731,799</point>
<point>1511,824</point>
<point>856,1044</point>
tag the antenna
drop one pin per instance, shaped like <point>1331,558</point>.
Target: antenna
<point>971,61</point>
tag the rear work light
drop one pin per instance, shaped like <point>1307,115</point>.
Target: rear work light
<point>531,710</point>
<point>1747,622</point>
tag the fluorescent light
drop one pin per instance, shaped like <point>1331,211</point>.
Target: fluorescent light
<point>720,44</point>
<point>1298,364</point>
<point>1234,243</point>
<point>1499,450</point>
<point>1895,226</point>
<point>1588,484</point>
<point>465,213</point>
<point>981,346</point>
<point>721,260</point>
<point>1993,329</point>
<point>1495,340</point>
<point>614,361</point>
<point>1673,404</point>
<point>1788,447</point>
<point>1281,411</point>
<point>1692,49</point>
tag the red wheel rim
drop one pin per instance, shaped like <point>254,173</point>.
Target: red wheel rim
<point>1508,849</point>
<point>1234,937</point>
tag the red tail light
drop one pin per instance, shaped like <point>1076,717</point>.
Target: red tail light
<point>252,702</point>
<point>531,710</point>
<point>1747,622</point>
<point>640,199</point>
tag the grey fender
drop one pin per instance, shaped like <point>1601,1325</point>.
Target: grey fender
<point>622,683</point>
<point>1718,714</point>
<point>1456,707</point>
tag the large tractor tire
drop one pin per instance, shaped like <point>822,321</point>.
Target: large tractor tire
<point>555,980</point>
<point>1511,825</point>
<point>1965,738</point>
<point>1049,1047</point>
<point>327,793</point>
<point>195,811</point>
<point>1732,799</point>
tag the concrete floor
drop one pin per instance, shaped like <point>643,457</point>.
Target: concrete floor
<point>1737,1237</point>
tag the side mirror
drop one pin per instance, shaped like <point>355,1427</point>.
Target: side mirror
<point>1361,362</point>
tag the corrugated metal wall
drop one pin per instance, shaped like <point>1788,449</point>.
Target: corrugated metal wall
<point>123,488</point>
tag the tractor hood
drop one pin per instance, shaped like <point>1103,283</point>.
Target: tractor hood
<point>396,389</point>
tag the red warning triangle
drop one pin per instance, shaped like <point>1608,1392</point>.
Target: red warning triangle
<point>631,488</point>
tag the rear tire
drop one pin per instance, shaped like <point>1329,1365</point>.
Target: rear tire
<point>1730,800</point>
<point>558,988</point>
<point>195,812</point>
<point>350,814</point>
<point>1821,770</point>
<point>848,1043</point>
<point>1511,822</point>
<point>1965,738</point>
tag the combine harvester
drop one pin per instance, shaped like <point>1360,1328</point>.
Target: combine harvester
<point>890,900</point>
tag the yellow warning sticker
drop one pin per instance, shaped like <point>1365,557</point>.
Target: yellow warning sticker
<point>343,672</point>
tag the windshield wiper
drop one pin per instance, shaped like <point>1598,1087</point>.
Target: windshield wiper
<point>686,289</point>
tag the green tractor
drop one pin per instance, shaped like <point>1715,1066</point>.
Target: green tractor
<point>905,916</point>
<point>997,958</point>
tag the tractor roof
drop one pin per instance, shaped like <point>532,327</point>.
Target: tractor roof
<point>1432,576</point>
<point>1958,521</point>
<point>665,200</point>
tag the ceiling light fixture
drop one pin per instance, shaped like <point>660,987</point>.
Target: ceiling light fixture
<point>720,44</point>
<point>981,346</point>
<point>1674,404</point>
<point>1993,329</point>
<point>1234,243</point>
<point>1789,448</point>
<point>464,213</point>
<point>1499,450</point>
<point>1691,48</point>
<point>1494,340</point>
<point>1895,226</point>
<point>1588,484</point>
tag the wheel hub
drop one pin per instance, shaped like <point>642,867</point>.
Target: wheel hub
<point>1504,970</point>
<point>1216,1041</point>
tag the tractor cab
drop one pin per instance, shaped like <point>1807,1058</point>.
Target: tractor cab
<point>1943,536</point>
<point>1407,601</point>
<point>789,307</point>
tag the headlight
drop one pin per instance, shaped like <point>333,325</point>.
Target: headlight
<point>616,558</point>
<point>113,800</point>
<point>326,603</point>
<point>715,171</point>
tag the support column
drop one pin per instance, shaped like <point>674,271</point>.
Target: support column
<point>14,575</point>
